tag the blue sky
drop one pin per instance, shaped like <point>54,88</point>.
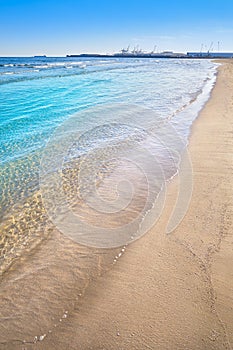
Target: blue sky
<point>58,28</point>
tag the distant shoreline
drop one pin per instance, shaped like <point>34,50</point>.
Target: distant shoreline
<point>87,55</point>
<point>197,55</point>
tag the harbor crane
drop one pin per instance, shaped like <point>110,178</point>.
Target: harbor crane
<point>154,49</point>
<point>125,51</point>
<point>211,47</point>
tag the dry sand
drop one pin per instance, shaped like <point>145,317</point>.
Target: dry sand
<point>169,291</point>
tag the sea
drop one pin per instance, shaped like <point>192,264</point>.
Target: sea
<point>87,148</point>
<point>95,120</point>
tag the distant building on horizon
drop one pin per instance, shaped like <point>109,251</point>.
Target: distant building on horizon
<point>210,54</point>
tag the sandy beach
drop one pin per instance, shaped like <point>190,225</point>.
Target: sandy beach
<point>165,292</point>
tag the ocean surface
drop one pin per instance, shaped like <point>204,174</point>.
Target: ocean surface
<point>43,99</point>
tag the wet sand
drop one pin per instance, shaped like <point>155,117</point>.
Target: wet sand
<point>165,292</point>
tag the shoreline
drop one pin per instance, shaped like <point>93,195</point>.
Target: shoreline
<point>28,239</point>
<point>168,300</point>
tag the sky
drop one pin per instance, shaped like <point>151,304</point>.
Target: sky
<point>57,28</point>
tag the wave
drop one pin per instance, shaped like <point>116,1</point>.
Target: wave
<point>62,74</point>
<point>7,73</point>
<point>185,92</point>
<point>57,64</point>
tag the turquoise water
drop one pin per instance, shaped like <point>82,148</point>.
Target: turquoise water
<point>38,94</point>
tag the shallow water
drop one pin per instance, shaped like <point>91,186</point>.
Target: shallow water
<point>38,95</point>
<point>86,149</point>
